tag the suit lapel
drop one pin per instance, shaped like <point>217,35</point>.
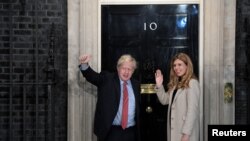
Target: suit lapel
<point>134,87</point>
<point>137,96</point>
<point>117,86</point>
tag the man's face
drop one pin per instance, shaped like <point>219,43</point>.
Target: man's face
<point>125,71</point>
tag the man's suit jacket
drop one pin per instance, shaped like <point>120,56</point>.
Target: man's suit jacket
<point>109,92</point>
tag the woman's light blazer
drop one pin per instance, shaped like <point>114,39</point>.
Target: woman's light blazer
<point>184,111</point>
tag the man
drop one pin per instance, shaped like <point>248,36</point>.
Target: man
<point>117,107</point>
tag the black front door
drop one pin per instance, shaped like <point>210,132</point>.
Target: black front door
<point>152,34</point>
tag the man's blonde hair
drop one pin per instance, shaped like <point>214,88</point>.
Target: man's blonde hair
<point>126,58</point>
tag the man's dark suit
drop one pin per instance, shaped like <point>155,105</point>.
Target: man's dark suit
<point>109,92</point>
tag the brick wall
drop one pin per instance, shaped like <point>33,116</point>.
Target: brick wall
<point>242,61</point>
<point>33,102</point>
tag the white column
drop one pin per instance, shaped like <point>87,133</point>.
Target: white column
<point>82,38</point>
<point>74,128</point>
<point>229,59</point>
<point>213,61</point>
<point>219,68</point>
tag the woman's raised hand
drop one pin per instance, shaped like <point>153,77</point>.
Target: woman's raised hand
<point>158,78</point>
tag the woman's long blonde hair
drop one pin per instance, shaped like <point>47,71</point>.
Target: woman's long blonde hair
<point>183,82</point>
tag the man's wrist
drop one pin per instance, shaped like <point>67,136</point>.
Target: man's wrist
<point>84,66</point>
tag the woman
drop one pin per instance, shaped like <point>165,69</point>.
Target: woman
<point>183,99</point>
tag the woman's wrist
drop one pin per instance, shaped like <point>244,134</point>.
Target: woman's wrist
<point>157,86</point>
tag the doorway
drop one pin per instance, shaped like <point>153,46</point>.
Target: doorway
<point>152,34</point>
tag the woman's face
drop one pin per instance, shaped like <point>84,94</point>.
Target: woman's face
<point>179,67</point>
